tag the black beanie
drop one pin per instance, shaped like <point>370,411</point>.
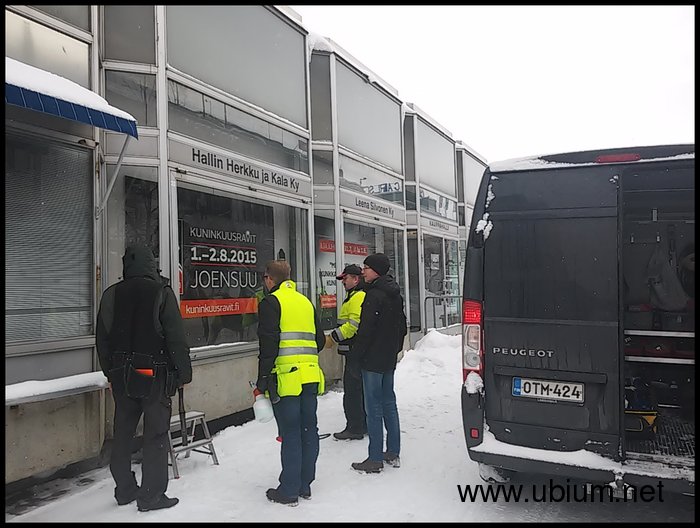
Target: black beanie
<point>379,262</point>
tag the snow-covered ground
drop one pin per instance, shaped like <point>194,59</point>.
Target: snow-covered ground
<point>425,487</point>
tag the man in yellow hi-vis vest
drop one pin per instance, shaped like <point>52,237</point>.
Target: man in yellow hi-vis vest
<point>290,339</point>
<point>344,335</point>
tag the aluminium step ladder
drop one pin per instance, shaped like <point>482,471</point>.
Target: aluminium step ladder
<point>192,419</point>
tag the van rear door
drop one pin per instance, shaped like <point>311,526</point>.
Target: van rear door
<point>551,331</point>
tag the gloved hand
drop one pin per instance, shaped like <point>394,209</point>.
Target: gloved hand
<point>262,383</point>
<point>329,341</point>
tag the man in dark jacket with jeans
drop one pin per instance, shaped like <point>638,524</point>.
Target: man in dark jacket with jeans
<point>143,352</point>
<point>378,341</point>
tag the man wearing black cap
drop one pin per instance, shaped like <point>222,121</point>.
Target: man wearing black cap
<point>344,335</point>
<point>378,341</point>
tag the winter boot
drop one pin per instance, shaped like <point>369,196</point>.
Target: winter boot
<point>345,434</point>
<point>391,459</point>
<point>273,495</point>
<point>159,504</point>
<point>368,466</point>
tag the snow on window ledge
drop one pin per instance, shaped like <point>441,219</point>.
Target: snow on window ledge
<point>36,391</point>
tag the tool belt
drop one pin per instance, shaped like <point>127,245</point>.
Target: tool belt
<point>137,373</point>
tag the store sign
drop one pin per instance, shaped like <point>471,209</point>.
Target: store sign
<point>374,207</point>
<point>232,166</point>
<point>439,226</point>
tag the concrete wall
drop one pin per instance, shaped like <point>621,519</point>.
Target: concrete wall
<point>43,437</point>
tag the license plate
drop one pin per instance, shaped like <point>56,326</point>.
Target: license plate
<point>548,390</point>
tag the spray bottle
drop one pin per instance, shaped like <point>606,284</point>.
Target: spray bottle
<point>262,408</point>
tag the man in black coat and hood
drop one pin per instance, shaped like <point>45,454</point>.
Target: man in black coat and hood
<point>378,341</point>
<point>143,352</point>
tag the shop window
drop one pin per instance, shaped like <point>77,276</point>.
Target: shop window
<point>225,242</point>
<point>327,286</point>
<point>435,158</point>
<point>47,49</point>
<point>410,197</point>
<point>321,97</point>
<point>199,116</point>
<point>246,50</point>
<point>441,258</point>
<point>409,150</point>
<point>131,217</point>
<point>48,240</point>
<point>369,121</point>
<point>362,240</point>
<point>414,279</point>
<point>473,171</point>
<point>365,179</point>
<point>134,93</point>
<point>323,167</point>
<point>130,33</point>
<point>437,204</point>
<point>76,15</point>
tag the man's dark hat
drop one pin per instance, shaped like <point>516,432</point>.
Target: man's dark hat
<point>379,262</point>
<point>350,269</point>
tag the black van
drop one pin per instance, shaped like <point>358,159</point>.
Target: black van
<point>578,333</point>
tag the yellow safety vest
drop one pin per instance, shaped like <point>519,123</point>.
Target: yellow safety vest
<point>349,320</point>
<point>297,360</point>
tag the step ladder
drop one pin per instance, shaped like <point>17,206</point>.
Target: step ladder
<point>192,418</point>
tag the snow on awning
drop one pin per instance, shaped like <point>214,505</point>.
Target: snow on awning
<point>43,91</point>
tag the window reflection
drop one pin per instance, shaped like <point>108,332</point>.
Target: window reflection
<point>362,178</point>
<point>197,115</point>
<point>438,204</point>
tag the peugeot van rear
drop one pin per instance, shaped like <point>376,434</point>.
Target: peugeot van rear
<point>578,318</point>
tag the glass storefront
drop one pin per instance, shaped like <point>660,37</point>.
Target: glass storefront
<point>441,270</point>
<point>225,242</point>
<point>362,240</point>
<point>131,216</point>
<point>327,286</point>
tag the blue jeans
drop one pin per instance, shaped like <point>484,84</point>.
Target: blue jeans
<point>296,420</point>
<point>380,406</point>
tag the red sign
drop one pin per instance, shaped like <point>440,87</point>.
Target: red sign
<point>356,249</point>
<point>328,301</point>
<point>328,246</point>
<point>213,307</point>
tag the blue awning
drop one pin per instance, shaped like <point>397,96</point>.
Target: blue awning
<point>39,90</point>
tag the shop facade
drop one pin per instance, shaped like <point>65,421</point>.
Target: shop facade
<point>252,146</point>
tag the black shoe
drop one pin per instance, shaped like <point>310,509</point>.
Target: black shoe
<point>127,498</point>
<point>392,459</point>
<point>121,501</point>
<point>274,495</point>
<point>159,504</point>
<point>368,466</point>
<point>348,435</point>
<point>305,494</point>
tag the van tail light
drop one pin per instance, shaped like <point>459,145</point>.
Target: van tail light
<point>472,338</point>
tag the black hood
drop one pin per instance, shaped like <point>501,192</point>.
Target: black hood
<point>139,262</point>
<point>386,283</point>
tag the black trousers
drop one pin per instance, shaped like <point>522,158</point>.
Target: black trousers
<point>156,410</point>
<point>353,399</point>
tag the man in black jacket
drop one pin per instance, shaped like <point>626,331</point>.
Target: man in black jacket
<point>378,341</point>
<point>143,352</point>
